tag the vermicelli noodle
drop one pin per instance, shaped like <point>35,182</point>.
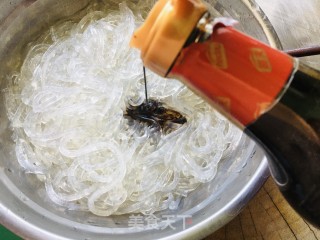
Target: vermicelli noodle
<point>66,107</point>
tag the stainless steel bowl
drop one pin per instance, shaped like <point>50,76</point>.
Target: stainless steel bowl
<point>296,24</point>
<point>24,207</point>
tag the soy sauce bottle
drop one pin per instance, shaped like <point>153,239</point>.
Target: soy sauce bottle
<point>270,95</point>
<point>290,133</point>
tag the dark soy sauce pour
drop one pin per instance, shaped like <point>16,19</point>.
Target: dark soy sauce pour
<point>154,114</point>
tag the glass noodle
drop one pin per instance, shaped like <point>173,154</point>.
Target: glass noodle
<point>66,107</point>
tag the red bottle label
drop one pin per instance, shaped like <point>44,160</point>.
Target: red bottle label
<point>239,73</point>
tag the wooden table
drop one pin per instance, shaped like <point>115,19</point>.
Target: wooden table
<point>268,216</point>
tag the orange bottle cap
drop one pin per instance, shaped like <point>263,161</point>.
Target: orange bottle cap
<point>165,31</point>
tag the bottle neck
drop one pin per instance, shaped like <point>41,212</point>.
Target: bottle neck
<point>241,75</point>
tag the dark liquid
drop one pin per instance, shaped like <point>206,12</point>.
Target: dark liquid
<point>156,115</point>
<point>290,133</point>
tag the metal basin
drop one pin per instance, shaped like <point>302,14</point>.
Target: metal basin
<point>24,207</point>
